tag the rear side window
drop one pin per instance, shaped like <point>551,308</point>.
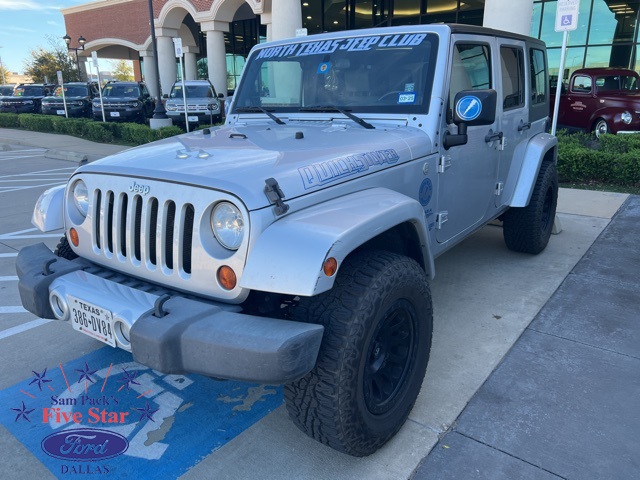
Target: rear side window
<point>538,76</point>
<point>512,62</point>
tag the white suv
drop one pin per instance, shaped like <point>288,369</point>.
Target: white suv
<point>203,104</point>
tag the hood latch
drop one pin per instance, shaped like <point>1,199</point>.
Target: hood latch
<point>274,194</point>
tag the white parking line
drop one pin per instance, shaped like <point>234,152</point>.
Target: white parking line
<point>10,189</point>
<point>12,309</point>
<point>8,255</point>
<point>22,328</point>
<point>9,279</point>
<point>39,172</point>
<point>19,235</point>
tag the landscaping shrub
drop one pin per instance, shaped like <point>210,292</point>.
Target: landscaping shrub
<point>36,122</point>
<point>166,132</point>
<point>9,120</point>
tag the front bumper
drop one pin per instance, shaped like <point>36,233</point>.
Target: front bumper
<point>202,117</point>
<point>169,332</point>
<point>31,108</point>
<point>72,110</point>
<point>117,114</point>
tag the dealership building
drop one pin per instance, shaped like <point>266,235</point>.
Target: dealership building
<point>218,34</point>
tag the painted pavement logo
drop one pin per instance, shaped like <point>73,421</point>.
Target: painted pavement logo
<point>106,415</point>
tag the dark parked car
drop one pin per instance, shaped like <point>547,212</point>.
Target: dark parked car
<point>601,100</point>
<point>26,98</point>
<point>124,101</point>
<point>77,95</point>
<point>6,90</point>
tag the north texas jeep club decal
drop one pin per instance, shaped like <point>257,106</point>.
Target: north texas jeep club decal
<point>321,173</point>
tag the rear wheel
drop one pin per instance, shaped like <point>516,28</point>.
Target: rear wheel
<point>374,354</point>
<point>528,229</point>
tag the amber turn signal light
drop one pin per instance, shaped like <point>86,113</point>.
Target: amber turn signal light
<point>73,236</point>
<point>330,267</point>
<point>227,277</point>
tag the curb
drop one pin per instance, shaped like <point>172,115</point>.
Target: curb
<point>66,155</point>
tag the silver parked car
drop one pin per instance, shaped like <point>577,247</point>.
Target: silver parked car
<point>203,104</point>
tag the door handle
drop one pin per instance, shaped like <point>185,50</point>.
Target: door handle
<point>524,126</point>
<point>492,137</point>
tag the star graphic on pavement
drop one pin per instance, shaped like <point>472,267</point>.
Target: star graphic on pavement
<point>40,378</point>
<point>23,412</point>
<point>129,379</point>
<point>85,374</point>
<point>146,412</point>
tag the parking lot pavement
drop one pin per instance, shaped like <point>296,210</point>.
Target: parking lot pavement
<point>484,298</point>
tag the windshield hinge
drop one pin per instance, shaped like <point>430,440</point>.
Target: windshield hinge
<point>274,194</point>
<point>444,162</point>
<point>499,188</point>
<point>441,219</point>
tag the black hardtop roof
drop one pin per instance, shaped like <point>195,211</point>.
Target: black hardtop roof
<point>477,30</point>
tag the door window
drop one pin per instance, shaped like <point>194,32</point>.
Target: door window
<point>512,62</point>
<point>538,76</point>
<point>581,84</point>
<point>471,69</point>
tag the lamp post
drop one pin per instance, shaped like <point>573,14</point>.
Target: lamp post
<point>81,42</point>
<point>159,113</point>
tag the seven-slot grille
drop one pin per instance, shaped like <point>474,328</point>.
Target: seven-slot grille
<point>144,230</point>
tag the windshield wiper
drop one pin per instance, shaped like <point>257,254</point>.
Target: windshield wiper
<point>260,109</point>
<point>333,108</point>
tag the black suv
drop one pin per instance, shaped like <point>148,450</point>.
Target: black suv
<point>124,101</point>
<point>78,96</point>
<point>26,98</point>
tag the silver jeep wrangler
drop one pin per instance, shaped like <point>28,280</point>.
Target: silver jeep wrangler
<point>295,244</point>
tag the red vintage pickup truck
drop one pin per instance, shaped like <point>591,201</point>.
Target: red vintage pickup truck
<point>601,100</point>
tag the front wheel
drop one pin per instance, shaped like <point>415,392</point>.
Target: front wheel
<point>378,323</point>
<point>528,229</point>
<point>600,127</point>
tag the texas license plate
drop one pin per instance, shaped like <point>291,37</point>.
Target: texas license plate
<point>60,112</point>
<point>192,118</point>
<point>92,320</point>
<point>114,114</point>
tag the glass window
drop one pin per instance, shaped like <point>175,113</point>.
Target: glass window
<point>610,83</point>
<point>372,73</point>
<point>613,22</point>
<point>535,20</point>
<point>538,76</point>
<point>581,84</point>
<point>406,12</point>
<point>335,15</point>
<point>512,62</point>
<point>471,69</point>
<point>312,16</point>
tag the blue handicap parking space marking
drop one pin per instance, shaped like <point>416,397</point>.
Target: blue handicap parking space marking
<point>105,414</point>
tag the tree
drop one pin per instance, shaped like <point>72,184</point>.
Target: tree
<point>46,62</point>
<point>122,70</point>
<point>4,74</point>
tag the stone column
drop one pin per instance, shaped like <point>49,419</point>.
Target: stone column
<point>286,17</point>
<point>507,15</point>
<point>166,58</point>
<point>216,54</point>
<point>190,63</point>
<point>149,72</point>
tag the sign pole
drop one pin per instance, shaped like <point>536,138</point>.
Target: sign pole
<point>177,43</point>
<point>94,56</point>
<point>567,12</point>
<point>64,100</point>
<point>556,106</point>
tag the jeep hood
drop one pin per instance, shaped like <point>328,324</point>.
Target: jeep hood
<point>302,157</point>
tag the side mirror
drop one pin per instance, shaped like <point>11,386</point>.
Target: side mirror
<point>165,95</point>
<point>471,108</point>
<point>221,96</point>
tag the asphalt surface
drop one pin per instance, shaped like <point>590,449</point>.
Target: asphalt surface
<point>533,370</point>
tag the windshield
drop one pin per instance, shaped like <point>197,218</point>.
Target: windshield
<point>6,90</point>
<point>121,91</point>
<point>29,91</point>
<point>376,73</point>
<point>617,82</point>
<point>72,91</point>
<point>193,91</point>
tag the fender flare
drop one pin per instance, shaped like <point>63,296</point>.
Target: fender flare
<point>610,114</point>
<point>48,214</point>
<point>288,256</point>
<point>536,151</point>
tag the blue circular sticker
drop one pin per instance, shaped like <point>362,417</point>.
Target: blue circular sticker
<point>426,191</point>
<point>469,108</point>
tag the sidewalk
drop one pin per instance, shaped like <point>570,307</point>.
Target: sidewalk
<point>564,401</point>
<point>62,147</point>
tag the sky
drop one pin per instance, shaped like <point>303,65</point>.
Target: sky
<point>24,26</point>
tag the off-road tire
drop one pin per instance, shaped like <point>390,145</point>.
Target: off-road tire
<point>378,322</point>
<point>64,249</point>
<point>528,229</point>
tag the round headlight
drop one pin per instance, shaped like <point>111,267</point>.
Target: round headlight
<point>81,197</point>
<point>227,225</point>
<point>627,117</point>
